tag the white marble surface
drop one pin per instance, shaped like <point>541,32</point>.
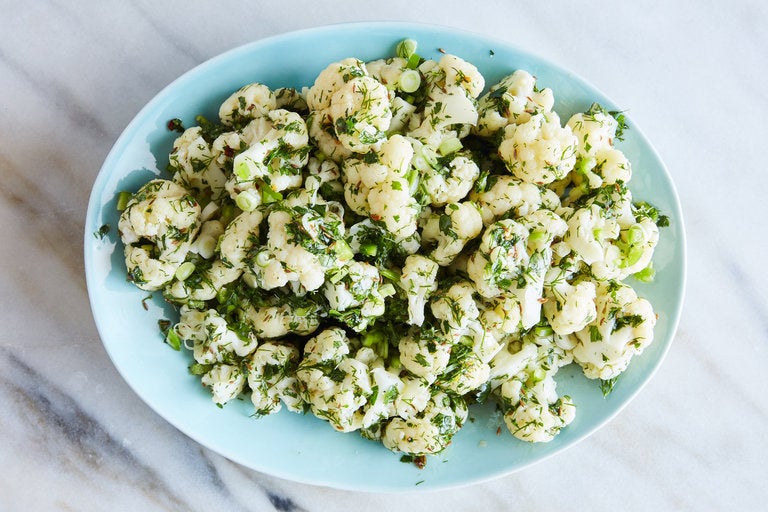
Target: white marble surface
<point>75,437</point>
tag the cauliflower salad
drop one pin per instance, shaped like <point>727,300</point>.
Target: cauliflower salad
<point>396,242</point>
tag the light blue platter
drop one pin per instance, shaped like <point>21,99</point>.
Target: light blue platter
<point>301,447</point>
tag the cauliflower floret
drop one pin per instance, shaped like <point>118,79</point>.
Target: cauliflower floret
<point>279,320</point>
<point>500,259</point>
<point>331,79</point>
<point>387,71</point>
<point>448,183</point>
<point>589,234</point>
<point>360,113</point>
<point>249,102</point>
<point>465,371</point>
<point>431,430</point>
<point>622,329</point>
<point>539,151</point>
<point>290,99</point>
<point>413,397</point>
<point>272,377</point>
<point>594,130</point>
<point>225,381</point>
<point>381,404</point>
<point>322,134</point>
<point>194,165</point>
<point>513,100</point>
<point>378,187</point>
<point>535,413</point>
<point>502,194</point>
<point>335,386</point>
<point>512,359</point>
<point>569,308</point>
<point>276,158</point>
<point>501,315</point>
<point>302,245</point>
<point>213,340</point>
<point>165,215</point>
<point>233,246</point>
<point>418,281</point>
<point>456,306</point>
<point>354,295</point>
<point>425,354</point>
<point>460,223</point>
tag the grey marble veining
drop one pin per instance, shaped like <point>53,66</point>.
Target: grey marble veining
<point>74,435</point>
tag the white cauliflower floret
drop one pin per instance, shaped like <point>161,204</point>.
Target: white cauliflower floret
<point>279,320</point>
<point>165,215</point>
<point>249,102</point>
<point>302,245</point>
<point>331,79</point>
<point>381,404</point>
<point>590,232</point>
<point>569,308</point>
<point>387,71</point>
<point>335,385</point>
<point>460,223</point>
<point>194,166</point>
<point>233,246</point>
<point>225,381</point>
<point>360,114</point>
<point>418,281</point>
<point>500,258</point>
<point>513,100</point>
<point>501,315</point>
<point>380,190</point>
<point>539,151</point>
<point>506,193</point>
<point>448,183</point>
<point>455,307</point>
<point>413,397</point>
<point>512,359</point>
<point>465,371</point>
<point>271,377</point>
<point>535,413</point>
<point>276,158</point>
<point>431,430</point>
<point>213,340</point>
<point>354,295</point>
<point>594,130</point>
<point>322,134</point>
<point>425,354</point>
<point>622,329</point>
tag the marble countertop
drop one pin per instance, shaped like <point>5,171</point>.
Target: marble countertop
<point>75,437</point>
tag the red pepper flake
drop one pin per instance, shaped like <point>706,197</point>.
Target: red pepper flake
<point>175,125</point>
<point>229,152</point>
<point>420,461</point>
<point>441,50</point>
<point>498,431</point>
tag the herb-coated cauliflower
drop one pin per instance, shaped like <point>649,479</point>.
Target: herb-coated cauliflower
<point>622,329</point>
<point>418,282</point>
<point>335,385</point>
<point>429,431</point>
<point>452,230</point>
<point>212,339</point>
<point>503,194</point>
<point>513,100</point>
<point>194,166</point>
<point>539,151</point>
<point>225,381</point>
<point>157,228</point>
<point>249,102</point>
<point>272,378</point>
<point>354,295</point>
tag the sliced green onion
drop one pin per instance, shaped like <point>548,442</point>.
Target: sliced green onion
<point>343,250</point>
<point>227,213</point>
<point>302,312</point>
<point>247,201</point>
<point>538,235</point>
<point>390,274</point>
<point>413,61</point>
<point>406,48</point>
<point>263,258</point>
<point>633,256</point>
<point>243,171</point>
<point>369,249</point>
<point>122,200</point>
<point>185,270</point>
<point>387,290</point>
<point>172,338</point>
<point>449,146</point>
<point>268,195</point>
<point>537,376</point>
<point>410,80</point>
<point>542,331</point>
<point>635,235</point>
<point>647,275</point>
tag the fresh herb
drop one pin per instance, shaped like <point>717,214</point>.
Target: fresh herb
<point>102,231</point>
<point>607,385</point>
<point>175,125</point>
